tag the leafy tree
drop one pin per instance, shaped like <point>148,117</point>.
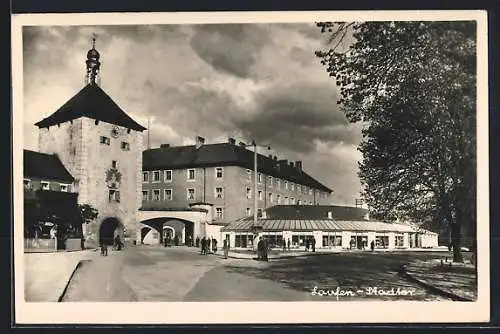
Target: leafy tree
<point>87,213</point>
<point>413,86</point>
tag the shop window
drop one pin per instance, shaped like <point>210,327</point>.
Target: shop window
<point>398,242</point>
<point>381,241</point>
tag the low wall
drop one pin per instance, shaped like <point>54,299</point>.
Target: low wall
<point>39,245</point>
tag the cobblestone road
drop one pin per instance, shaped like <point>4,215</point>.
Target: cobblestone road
<point>181,274</point>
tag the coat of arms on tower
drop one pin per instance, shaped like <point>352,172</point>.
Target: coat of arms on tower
<point>113,178</point>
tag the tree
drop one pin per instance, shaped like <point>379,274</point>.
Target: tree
<point>412,85</point>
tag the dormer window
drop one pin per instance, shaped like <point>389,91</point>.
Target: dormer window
<point>45,185</point>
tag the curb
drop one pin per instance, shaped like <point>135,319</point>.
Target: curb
<point>432,288</point>
<point>78,265</point>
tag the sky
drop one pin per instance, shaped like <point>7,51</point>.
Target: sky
<point>247,81</point>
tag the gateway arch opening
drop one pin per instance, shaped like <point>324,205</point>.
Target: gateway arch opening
<point>110,229</point>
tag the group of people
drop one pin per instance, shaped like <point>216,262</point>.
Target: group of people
<point>205,244</point>
<point>168,241</point>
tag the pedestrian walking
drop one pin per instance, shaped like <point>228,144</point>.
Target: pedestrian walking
<point>225,247</point>
<point>214,245</point>
<point>197,242</point>
<point>372,245</point>
<point>260,248</point>
<point>288,244</point>
<point>307,245</point>
<point>284,245</point>
<point>313,241</point>
<point>266,250</point>
<point>202,243</point>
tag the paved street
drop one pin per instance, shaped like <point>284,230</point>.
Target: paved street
<point>180,274</point>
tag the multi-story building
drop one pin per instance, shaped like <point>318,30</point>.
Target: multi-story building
<point>222,174</point>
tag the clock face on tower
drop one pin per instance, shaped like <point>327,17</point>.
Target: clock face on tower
<point>115,132</point>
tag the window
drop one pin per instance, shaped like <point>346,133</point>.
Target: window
<point>270,197</point>
<point>219,192</point>
<point>191,174</point>
<point>249,175</point>
<point>299,202</point>
<point>219,213</point>
<point>156,176</point>
<point>156,194</point>
<point>190,194</point>
<point>145,195</point>
<point>270,180</point>
<point>113,164</point>
<point>27,184</point>
<point>399,241</point>
<point>278,183</point>
<point>114,195</point>
<point>63,187</point>
<point>292,200</point>
<point>219,173</point>
<point>381,241</point>
<point>278,199</point>
<point>125,146</point>
<point>249,193</point>
<point>286,184</point>
<point>45,185</point>
<point>292,186</point>
<point>260,195</point>
<point>168,194</point>
<point>248,211</point>
<point>259,177</point>
<point>168,176</point>
<point>259,213</point>
<point>310,191</point>
<point>299,188</point>
<point>145,176</point>
<point>286,200</point>
<point>105,140</point>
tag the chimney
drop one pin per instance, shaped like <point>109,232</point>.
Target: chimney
<point>200,141</point>
<point>298,164</point>
<point>231,141</point>
<point>164,145</point>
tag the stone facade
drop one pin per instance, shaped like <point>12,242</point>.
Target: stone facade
<point>93,160</point>
<point>237,191</point>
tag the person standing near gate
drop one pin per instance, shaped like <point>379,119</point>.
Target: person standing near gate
<point>260,247</point>
<point>202,245</point>
<point>288,244</point>
<point>313,242</point>
<point>225,247</point>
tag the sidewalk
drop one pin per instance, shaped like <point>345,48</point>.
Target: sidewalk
<point>456,281</point>
<point>47,274</point>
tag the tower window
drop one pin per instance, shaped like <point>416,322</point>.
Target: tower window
<point>260,195</point>
<point>113,163</point>
<point>105,140</point>
<point>125,146</point>
<point>248,211</point>
<point>249,175</point>
<point>114,195</point>
<point>219,172</point>
<point>190,194</point>
<point>259,177</point>
<point>249,193</point>
<point>219,192</point>
<point>219,212</point>
<point>270,196</point>
<point>191,174</point>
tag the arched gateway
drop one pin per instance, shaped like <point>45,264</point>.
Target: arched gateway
<point>109,229</point>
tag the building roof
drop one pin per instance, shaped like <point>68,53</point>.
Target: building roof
<point>224,154</point>
<point>308,225</point>
<point>312,212</point>
<point>91,102</point>
<point>45,166</point>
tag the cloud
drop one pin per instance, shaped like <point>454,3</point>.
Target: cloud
<point>230,48</point>
<point>247,81</point>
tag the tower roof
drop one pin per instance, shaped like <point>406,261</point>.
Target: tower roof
<point>91,102</point>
